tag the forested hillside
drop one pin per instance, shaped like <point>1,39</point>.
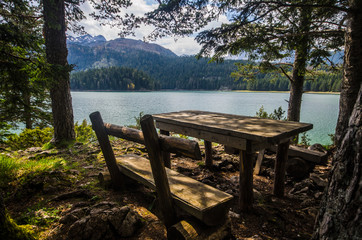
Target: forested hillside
<point>112,78</point>
<point>173,72</point>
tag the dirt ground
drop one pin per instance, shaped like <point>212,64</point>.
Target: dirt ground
<point>290,217</point>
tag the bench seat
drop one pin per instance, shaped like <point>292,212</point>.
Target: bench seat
<point>202,201</point>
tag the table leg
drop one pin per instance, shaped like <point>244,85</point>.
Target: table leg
<point>246,179</point>
<point>166,155</point>
<point>259,161</point>
<point>279,169</point>
<point>208,153</point>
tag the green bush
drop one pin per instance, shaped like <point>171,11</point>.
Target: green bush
<point>30,138</point>
<point>84,132</point>
<point>277,114</point>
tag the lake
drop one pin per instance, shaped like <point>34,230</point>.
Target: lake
<point>122,107</point>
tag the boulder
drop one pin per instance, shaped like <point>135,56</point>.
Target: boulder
<point>105,220</point>
<point>298,168</point>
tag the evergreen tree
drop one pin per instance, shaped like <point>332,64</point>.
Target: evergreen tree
<point>23,88</point>
<point>268,31</point>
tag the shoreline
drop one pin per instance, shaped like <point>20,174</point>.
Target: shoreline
<point>200,90</point>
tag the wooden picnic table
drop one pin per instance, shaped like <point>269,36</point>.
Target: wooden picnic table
<point>249,134</point>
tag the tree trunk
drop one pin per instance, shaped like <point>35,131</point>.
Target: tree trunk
<point>56,55</point>
<point>27,110</point>
<point>340,215</point>
<point>352,74</point>
<point>299,68</point>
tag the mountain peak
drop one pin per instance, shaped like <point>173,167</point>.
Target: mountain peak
<point>86,40</point>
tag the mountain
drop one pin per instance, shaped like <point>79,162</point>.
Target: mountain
<point>170,71</point>
<point>86,40</point>
<point>119,45</point>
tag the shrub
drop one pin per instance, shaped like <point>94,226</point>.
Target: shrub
<point>84,132</point>
<point>30,138</point>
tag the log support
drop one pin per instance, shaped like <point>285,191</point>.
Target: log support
<point>158,170</point>
<point>190,229</point>
<point>102,136</point>
<point>259,161</point>
<point>166,155</point>
<point>280,164</point>
<point>246,179</point>
<point>208,153</point>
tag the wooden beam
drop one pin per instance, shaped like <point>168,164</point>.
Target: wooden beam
<point>102,136</point>
<point>186,147</point>
<point>280,164</point>
<point>232,141</point>
<point>158,170</point>
<point>246,179</point>
<point>165,154</point>
<point>189,229</point>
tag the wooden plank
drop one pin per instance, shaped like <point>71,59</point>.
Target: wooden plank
<point>186,147</point>
<point>280,162</point>
<point>204,202</point>
<point>102,136</point>
<point>201,134</point>
<point>259,161</point>
<point>166,155</point>
<point>246,179</point>
<point>158,170</point>
<point>208,153</point>
<point>306,154</point>
<point>252,128</point>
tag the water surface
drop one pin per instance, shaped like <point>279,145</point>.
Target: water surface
<point>121,107</point>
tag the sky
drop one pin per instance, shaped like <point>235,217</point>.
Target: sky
<point>180,46</point>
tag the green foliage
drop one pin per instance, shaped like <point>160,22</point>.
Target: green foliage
<point>23,88</point>
<point>39,216</point>
<point>8,167</point>
<point>9,230</point>
<point>112,78</point>
<point>277,114</point>
<point>138,121</point>
<point>84,132</point>
<point>29,138</point>
<point>4,131</point>
<point>304,139</point>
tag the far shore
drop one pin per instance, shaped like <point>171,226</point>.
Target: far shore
<point>199,90</point>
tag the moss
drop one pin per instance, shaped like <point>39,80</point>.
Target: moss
<point>11,231</point>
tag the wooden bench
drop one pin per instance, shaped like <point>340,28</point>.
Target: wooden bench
<point>204,202</point>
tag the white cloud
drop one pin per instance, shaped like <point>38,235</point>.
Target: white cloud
<point>181,46</point>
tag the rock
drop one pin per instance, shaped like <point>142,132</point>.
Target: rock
<point>317,147</point>
<point>320,182</point>
<point>104,220</point>
<point>257,194</point>
<point>297,168</point>
<point>34,150</point>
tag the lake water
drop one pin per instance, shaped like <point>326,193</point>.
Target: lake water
<point>122,107</point>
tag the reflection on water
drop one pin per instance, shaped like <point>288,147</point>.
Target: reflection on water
<point>121,107</point>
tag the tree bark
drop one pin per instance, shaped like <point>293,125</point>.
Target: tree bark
<point>352,73</point>
<point>56,55</point>
<point>299,69</point>
<point>340,215</point>
<point>340,212</point>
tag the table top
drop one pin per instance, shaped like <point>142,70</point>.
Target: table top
<point>251,128</point>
